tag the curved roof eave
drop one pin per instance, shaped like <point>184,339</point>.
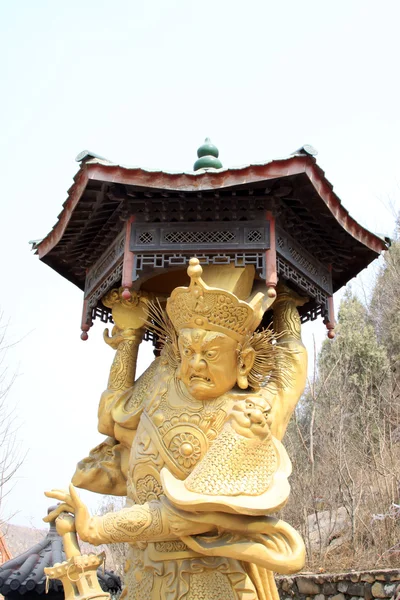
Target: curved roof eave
<point>207,180</point>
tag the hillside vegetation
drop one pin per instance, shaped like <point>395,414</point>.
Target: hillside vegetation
<point>344,441</point>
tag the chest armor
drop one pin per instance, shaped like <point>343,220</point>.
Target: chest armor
<point>174,431</point>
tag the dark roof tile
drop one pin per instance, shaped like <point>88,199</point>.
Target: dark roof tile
<point>25,573</point>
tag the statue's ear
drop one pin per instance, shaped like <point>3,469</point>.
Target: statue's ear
<point>245,364</point>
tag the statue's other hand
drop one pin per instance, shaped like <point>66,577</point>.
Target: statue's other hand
<point>65,523</point>
<point>117,336</point>
<point>183,523</point>
<point>64,507</point>
<point>70,503</point>
<point>285,293</point>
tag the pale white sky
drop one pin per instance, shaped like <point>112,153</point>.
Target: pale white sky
<point>143,83</point>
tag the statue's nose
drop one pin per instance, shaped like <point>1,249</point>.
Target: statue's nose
<point>256,416</point>
<point>197,362</point>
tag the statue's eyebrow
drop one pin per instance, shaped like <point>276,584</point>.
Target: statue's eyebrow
<point>209,343</point>
<point>215,338</point>
<point>185,340</point>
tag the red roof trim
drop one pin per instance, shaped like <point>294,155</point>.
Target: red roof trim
<point>332,201</point>
<point>74,194</point>
<point>209,181</point>
<point>192,182</point>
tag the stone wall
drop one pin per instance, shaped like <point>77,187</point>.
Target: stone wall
<point>356,585</point>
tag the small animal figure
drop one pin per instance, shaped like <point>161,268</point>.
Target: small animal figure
<point>250,417</point>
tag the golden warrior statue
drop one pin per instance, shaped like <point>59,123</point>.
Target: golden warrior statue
<point>195,442</point>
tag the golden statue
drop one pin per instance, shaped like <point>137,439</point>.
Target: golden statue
<point>195,442</point>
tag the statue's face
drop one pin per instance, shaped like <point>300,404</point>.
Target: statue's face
<point>209,363</point>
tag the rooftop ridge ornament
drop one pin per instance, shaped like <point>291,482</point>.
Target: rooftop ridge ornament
<point>87,155</point>
<point>207,157</point>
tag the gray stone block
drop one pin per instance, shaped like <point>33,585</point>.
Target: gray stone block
<point>287,584</point>
<point>329,588</point>
<point>305,586</point>
<point>378,590</point>
<point>356,589</point>
<point>367,592</point>
<point>337,597</point>
<point>389,589</point>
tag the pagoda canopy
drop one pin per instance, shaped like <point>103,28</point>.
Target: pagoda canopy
<point>24,575</point>
<point>126,225</point>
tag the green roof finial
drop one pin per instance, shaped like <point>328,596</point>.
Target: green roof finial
<point>207,157</point>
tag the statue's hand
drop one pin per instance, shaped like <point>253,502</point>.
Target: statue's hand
<point>184,523</point>
<point>127,314</point>
<point>70,503</point>
<point>65,523</point>
<point>285,293</point>
<point>118,336</point>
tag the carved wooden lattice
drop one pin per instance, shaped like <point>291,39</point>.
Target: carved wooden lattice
<point>149,262</point>
<point>199,237</point>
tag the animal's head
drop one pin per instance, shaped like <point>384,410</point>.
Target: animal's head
<point>251,416</point>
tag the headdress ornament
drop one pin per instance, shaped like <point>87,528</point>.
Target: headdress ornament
<point>212,309</point>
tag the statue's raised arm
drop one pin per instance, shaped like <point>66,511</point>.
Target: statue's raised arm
<point>287,327</point>
<point>105,470</point>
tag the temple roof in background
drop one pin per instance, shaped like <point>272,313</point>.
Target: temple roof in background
<point>25,573</point>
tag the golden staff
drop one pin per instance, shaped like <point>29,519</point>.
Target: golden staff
<point>78,574</point>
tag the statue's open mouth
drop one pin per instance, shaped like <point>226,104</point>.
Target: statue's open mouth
<point>200,378</point>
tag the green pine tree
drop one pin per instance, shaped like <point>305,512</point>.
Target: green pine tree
<point>357,359</point>
<point>385,302</point>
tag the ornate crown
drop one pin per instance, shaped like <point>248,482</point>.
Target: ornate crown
<point>213,309</point>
